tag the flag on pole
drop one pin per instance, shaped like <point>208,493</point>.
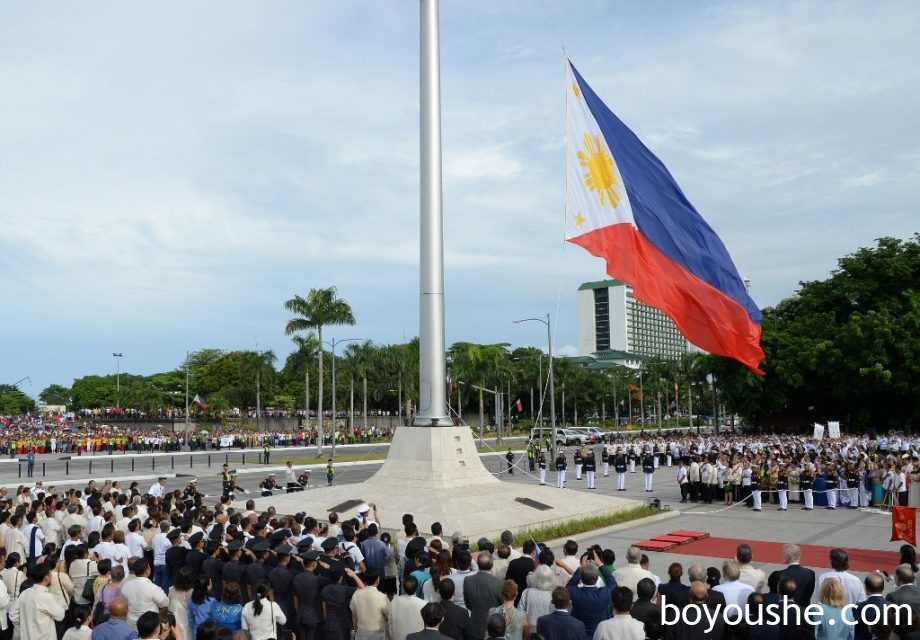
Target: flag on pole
<point>904,524</point>
<point>623,205</point>
<point>519,406</point>
<point>200,401</point>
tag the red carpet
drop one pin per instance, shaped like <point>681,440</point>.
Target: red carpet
<point>812,555</point>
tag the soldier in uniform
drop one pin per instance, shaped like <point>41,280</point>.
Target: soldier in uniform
<point>257,570</point>
<point>853,486</point>
<point>306,587</point>
<point>268,485</point>
<point>234,570</point>
<point>561,465</point>
<point>579,459</point>
<point>782,488</point>
<point>807,483</point>
<point>213,567</point>
<point>590,469</point>
<point>620,466</point>
<point>648,469</point>
<point>196,556</point>
<point>605,460</point>
<point>541,464</point>
<point>281,579</point>
<point>510,458</point>
<point>175,555</point>
<point>830,484</point>
<point>756,480</point>
<point>226,481</point>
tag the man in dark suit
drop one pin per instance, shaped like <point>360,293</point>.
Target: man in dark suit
<point>682,631</point>
<point>907,592</point>
<point>560,625</point>
<point>481,592</point>
<point>875,585</point>
<point>668,591</point>
<point>456,620</point>
<point>645,591</point>
<point>697,573</point>
<point>307,586</point>
<point>432,616</point>
<point>520,567</point>
<point>803,576</point>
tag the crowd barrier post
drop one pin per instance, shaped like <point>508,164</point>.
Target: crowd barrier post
<point>67,467</point>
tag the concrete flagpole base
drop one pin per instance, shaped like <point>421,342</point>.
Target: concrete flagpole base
<point>436,474</point>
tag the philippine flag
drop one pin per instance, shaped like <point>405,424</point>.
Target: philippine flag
<point>623,205</point>
<point>200,401</point>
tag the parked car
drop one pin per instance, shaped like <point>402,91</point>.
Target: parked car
<point>564,437</point>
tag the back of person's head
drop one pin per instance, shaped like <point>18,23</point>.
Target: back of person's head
<point>543,578</point>
<point>504,551</point>
<point>561,598</point>
<point>507,537</point>
<point>141,566</point>
<point>698,592</point>
<point>755,601</point>
<point>675,571</point>
<point>622,599</point>
<point>786,587</point>
<point>832,593</point>
<point>508,590</point>
<point>118,608</point>
<point>547,557</point>
<point>744,554</point>
<point>904,574</point>
<point>791,553</point>
<point>432,614</point>
<point>117,573</point>
<point>148,625</point>
<point>730,570</point>
<point>495,625</point>
<point>589,574</point>
<point>840,561</point>
<point>446,589</point>
<point>38,572</point>
<point>645,589</point>
<point>370,577</point>
<point>875,584</point>
<point>463,559</point>
<point>484,561</point>
<point>529,547</point>
<point>372,530</point>
<point>608,556</point>
<point>81,615</point>
<point>773,581</point>
<point>231,593</point>
<point>437,529</point>
<point>410,584</point>
<point>570,548</point>
<point>633,555</point>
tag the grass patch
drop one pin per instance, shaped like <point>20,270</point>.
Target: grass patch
<point>574,527</point>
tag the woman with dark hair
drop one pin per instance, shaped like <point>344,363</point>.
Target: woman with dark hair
<point>179,594</point>
<point>909,556</point>
<point>82,628</point>
<point>263,614</point>
<point>200,605</point>
<point>205,630</point>
<point>81,570</point>
<point>228,611</point>
<point>223,633</point>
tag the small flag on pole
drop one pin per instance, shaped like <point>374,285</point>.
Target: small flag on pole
<point>904,524</point>
<point>519,406</point>
<point>200,401</point>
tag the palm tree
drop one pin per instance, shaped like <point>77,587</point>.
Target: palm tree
<point>361,357</point>
<point>261,365</point>
<point>483,363</point>
<point>321,307</point>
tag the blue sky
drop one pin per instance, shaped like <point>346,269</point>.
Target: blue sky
<point>171,172</point>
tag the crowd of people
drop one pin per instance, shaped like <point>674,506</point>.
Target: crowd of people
<point>107,563</point>
<point>850,472</point>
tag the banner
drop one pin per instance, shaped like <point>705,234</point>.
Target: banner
<point>833,429</point>
<point>819,431</point>
<point>226,441</point>
<point>904,524</point>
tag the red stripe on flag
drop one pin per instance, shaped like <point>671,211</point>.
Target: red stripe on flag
<point>703,314</point>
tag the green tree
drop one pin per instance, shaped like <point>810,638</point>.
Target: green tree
<point>55,394</point>
<point>320,308</point>
<point>361,357</point>
<point>14,402</point>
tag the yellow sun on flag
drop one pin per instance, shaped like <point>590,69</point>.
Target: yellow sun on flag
<point>599,175</point>
<point>576,89</point>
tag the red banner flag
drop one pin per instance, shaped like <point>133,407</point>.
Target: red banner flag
<point>904,524</point>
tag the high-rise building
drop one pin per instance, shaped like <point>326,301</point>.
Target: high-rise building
<point>613,324</point>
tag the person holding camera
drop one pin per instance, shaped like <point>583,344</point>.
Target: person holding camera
<point>152,626</point>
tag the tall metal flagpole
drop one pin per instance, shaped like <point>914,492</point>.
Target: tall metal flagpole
<point>186,399</point>
<point>432,362</point>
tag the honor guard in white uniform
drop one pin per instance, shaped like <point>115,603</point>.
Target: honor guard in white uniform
<point>620,466</point>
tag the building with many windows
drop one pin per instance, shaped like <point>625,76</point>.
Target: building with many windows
<point>612,324</point>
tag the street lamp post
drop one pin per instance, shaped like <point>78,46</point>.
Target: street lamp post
<point>333,343</point>
<point>552,390</point>
<point>117,357</point>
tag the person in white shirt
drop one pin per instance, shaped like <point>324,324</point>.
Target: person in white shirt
<point>405,611</point>
<point>262,614</point>
<point>160,545</point>
<point>142,595</point>
<point>134,540</point>
<point>35,537</point>
<point>853,587</point>
<point>622,626</point>
<point>630,575</point>
<point>158,488</point>
<point>735,591</point>
<point>755,578</point>
<point>38,608</point>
